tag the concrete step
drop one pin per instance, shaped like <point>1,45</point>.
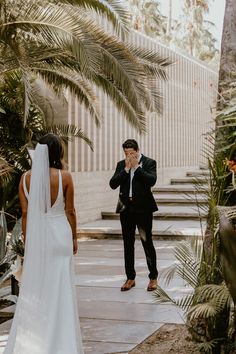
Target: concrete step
<point>189,180</point>
<point>181,215</point>
<point>173,230</point>
<point>180,188</point>
<point>180,198</point>
<point>182,212</point>
<point>198,173</point>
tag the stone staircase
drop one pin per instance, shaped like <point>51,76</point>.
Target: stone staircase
<point>182,211</point>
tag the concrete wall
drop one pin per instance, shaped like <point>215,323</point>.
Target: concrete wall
<point>93,194</point>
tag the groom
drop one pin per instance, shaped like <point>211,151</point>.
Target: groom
<point>135,175</point>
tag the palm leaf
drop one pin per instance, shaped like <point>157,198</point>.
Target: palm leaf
<point>154,64</point>
<point>80,87</point>
<point>113,10</point>
<point>69,131</point>
<point>5,169</point>
<point>135,117</point>
<point>204,310</point>
<point>162,296</point>
<point>217,294</point>
<point>207,347</point>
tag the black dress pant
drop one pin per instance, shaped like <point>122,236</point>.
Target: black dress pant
<point>129,220</point>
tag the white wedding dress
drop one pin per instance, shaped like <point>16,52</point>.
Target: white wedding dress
<point>46,317</point>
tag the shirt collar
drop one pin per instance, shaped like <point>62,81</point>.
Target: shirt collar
<point>139,157</point>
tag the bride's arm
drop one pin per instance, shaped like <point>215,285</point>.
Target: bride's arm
<point>24,208</point>
<point>70,209</point>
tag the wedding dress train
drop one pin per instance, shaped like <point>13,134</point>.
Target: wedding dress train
<point>46,316</point>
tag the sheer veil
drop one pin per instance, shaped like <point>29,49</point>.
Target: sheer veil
<point>28,320</point>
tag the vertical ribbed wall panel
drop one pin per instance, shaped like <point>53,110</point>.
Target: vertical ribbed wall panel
<point>174,139</point>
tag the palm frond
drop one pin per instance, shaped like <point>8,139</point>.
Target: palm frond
<point>51,24</point>
<point>69,131</point>
<point>207,347</point>
<point>187,266</point>
<point>162,296</point>
<point>115,11</point>
<point>218,295</point>
<point>80,87</point>
<point>154,64</point>
<point>6,169</point>
<point>135,117</point>
<point>186,302</point>
<point>204,310</point>
<point>169,273</point>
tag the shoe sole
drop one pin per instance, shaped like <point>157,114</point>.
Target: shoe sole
<point>151,289</point>
<point>126,289</point>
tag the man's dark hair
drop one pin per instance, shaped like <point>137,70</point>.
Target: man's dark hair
<point>130,144</point>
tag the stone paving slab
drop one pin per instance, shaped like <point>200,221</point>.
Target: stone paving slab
<point>122,332</point>
<point>113,321</point>
<point>129,311</point>
<point>102,294</point>
<point>107,348</point>
<point>117,280</point>
<point>117,258</point>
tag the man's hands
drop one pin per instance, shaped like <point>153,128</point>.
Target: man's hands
<point>131,161</point>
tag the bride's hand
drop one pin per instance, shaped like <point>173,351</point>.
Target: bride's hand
<point>75,246</point>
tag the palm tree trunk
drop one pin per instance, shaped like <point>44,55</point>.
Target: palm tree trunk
<point>227,73</point>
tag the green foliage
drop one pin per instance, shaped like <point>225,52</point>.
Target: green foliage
<point>191,32</point>
<point>64,43</point>
<point>16,137</point>
<point>13,247</point>
<point>203,303</point>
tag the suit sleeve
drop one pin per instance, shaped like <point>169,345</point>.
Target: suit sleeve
<point>148,176</point>
<point>119,177</point>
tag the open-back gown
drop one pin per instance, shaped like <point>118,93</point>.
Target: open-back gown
<point>46,316</point>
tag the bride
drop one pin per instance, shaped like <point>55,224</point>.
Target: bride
<point>46,317</point>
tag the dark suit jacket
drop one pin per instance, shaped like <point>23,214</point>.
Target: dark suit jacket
<point>144,178</point>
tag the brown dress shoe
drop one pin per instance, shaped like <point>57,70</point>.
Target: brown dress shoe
<point>152,285</point>
<point>128,285</point>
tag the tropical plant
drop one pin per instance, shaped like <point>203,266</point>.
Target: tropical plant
<point>147,18</point>
<point>227,72</point>
<point>16,137</point>
<point>12,249</point>
<point>64,43</point>
<point>192,33</point>
<point>204,302</point>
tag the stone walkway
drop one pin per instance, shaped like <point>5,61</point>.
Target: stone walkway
<point>113,321</point>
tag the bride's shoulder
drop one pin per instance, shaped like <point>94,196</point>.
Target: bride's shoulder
<point>66,175</point>
<point>25,175</point>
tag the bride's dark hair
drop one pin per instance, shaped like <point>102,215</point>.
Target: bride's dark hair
<point>55,150</point>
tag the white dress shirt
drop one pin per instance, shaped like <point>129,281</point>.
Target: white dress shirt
<point>132,170</point>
